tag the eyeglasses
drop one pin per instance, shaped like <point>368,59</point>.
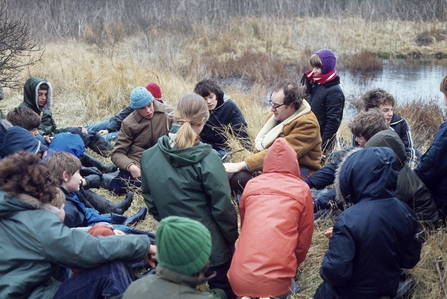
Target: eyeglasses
<point>274,106</point>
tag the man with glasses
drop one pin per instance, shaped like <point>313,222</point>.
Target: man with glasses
<point>291,118</point>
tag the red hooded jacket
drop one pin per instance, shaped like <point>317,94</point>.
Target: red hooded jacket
<point>277,223</point>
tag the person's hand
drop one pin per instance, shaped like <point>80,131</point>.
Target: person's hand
<point>83,130</point>
<point>119,232</point>
<point>92,181</point>
<point>234,167</point>
<point>151,256</point>
<point>135,171</point>
<point>328,233</point>
<point>48,139</point>
<point>103,132</point>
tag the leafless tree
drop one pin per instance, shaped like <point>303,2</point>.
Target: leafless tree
<point>17,50</point>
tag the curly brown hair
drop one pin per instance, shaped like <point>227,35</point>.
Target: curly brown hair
<point>375,97</point>
<point>23,173</point>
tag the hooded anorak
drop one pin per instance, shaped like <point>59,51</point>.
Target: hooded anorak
<point>276,212</point>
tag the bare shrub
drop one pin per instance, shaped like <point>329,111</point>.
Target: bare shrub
<point>363,61</point>
<point>17,49</point>
<point>253,66</point>
<point>424,117</point>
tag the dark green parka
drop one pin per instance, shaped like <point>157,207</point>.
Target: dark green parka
<point>191,182</point>
<point>30,92</point>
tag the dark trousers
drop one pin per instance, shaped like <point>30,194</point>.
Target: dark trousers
<point>325,291</point>
<point>238,181</point>
<point>106,280</point>
<point>122,181</point>
<point>220,281</point>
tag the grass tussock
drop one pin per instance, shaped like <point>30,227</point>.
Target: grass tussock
<point>424,118</point>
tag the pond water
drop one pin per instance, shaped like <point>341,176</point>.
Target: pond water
<point>405,80</point>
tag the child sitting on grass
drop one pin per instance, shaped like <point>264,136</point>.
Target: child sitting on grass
<point>376,237</point>
<point>65,168</point>
<point>183,252</point>
<point>382,100</point>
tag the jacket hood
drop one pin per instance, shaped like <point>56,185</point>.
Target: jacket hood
<point>30,94</point>
<point>178,278</point>
<point>369,173</point>
<point>281,158</point>
<point>19,139</point>
<point>11,206</point>
<point>185,156</point>
<point>389,138</point>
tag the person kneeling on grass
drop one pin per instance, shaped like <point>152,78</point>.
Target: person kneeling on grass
<point>183,251</point>
<point>275,206</point>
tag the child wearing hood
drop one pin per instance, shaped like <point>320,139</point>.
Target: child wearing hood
<point>325,96</point>
<point>374,238</point>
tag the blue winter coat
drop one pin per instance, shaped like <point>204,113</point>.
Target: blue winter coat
<point>376,237</point>
<point>432,169</point>
<point>115,121</point>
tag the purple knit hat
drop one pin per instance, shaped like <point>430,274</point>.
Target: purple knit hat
<point>328,60</point>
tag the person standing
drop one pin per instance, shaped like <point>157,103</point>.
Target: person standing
<point>325,96</point>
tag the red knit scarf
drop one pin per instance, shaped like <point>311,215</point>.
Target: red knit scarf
<point>320,79</point>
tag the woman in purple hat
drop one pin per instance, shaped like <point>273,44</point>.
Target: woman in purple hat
<point>325,96</point>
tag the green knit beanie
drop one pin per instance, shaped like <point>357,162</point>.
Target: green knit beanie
<point>183,245</point>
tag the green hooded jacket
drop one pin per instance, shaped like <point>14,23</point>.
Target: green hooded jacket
<point>169,284</point>
<point>47,125</point>
<point>191,182</point>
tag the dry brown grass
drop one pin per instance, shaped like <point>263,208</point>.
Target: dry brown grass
<point>91,83</point>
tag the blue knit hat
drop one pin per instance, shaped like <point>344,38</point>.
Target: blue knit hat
<point>328,60</point>
<point>19,139</point>
<point>183,245</point>
<point>140,97</point>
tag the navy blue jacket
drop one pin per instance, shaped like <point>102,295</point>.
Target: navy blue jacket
<point>327,102</point>
<point>115,121</point>
<point>74,212</point>
<point>432,169</point>
<point>77,214</point>
<point>376,237</point>
<point>226,115</point>
<point>401,127</point>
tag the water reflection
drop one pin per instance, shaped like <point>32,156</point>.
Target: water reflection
<point>405,80</point>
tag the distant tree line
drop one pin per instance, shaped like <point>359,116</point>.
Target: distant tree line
<point>55,19</point>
